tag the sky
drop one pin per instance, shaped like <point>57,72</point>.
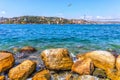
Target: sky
<point>90,9</point>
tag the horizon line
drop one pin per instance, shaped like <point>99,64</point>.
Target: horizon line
<point>83,18</point>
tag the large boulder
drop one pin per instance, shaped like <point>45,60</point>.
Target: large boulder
<point>80,56</point>
<point>6,60</point>
<point>104,60</point>
<point>42,75</point>
<point>27,49</point>
<point>113,74</point>
<point>2,77</point>
<point>57,59</point>
<point>22,71</point>
<point>83,67</point>
<point>118,63</point>
<point>4,51</point>
<point>101,59</point>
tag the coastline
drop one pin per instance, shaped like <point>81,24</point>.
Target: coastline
<point>51,20</point>
<point>54,73</point>
<point>83,66</point>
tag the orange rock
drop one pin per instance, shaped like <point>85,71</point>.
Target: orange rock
<point>104,60</point>
<point>57,59</point>
<point>101,59</point>
<point>2,77</point>
<point>28,49</point>
<point>81,77</point>
<point>4,52</point>
<point>83,67</point>
<point>22,71</point>
<point>69,77</point>
<point>80,56</point>
<point>42,75</point>
<point>6,60</point>
<point>118,63</point>
<point>113,75</point>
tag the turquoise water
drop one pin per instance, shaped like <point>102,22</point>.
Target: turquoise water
<point>77,38</point>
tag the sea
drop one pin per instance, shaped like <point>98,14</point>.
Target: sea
<point>77,38</point>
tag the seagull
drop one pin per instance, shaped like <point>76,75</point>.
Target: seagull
<point>69,5</point>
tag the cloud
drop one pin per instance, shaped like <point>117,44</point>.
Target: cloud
<point>99,17</point>
<point>104,17</point>
<point>3,12</point>
<point>87,17</point>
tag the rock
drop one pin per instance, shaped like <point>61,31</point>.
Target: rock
<point>83,67</point>
<point>27,49</point>
<point>42,75</point>
<point>4,52</point>
<point>118,63</point>
<point>22,71</point>
<point>69,77</point>
<point>59,75</point>
<point>89,77</point>
<point>6,60</point>
<point>57,59</point>
<point>72,77</point>
<point>101,59</point>
<point>112,74</point>
<point>82,77</point>
<point>15,49</point>
<point>80,56</point>
<point>99,73</point>
<point>2,77</point>
<point>104,60</point>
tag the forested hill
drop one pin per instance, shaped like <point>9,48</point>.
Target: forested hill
<point>39,20</point>
<point>50,20</point>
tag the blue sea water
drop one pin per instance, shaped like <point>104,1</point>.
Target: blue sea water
<point>77,38</point>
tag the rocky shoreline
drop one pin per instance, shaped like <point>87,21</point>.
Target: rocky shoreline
<point>58,64</point>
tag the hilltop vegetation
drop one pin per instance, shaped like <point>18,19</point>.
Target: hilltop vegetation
<point>50,20</point>
<point>39,20</point>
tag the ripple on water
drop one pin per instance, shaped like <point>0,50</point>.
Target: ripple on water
<point>92,37</point>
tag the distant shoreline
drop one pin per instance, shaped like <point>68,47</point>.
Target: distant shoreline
<point>50,20</point>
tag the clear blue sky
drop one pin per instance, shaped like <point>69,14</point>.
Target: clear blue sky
<point>62,8</point>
